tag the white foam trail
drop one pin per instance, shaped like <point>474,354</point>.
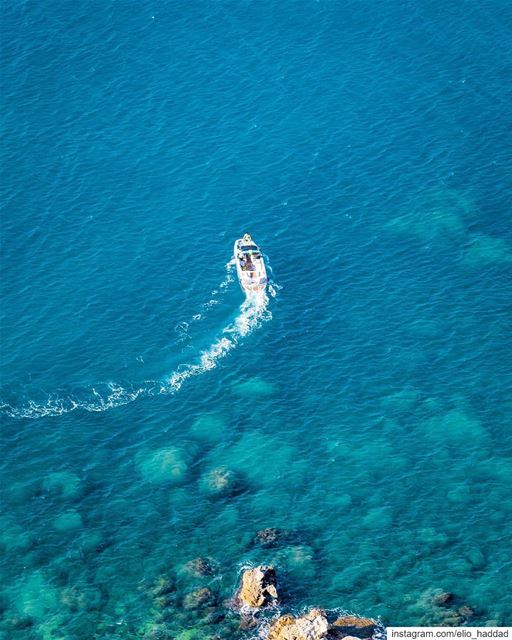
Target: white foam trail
<point>111,395</point>
<point>252,312</point>
<point>217,293</point>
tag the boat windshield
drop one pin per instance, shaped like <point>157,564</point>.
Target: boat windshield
<point>248,248</point>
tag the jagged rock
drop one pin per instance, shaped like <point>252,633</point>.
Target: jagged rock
<point>442,599</point>
<point>353,625</point>
<point>81,599</point>
<point>453,621</point>
<point>270,537</point>
<point>200,567</point>
<point>166,465</point>
<point>198,599</point>
<point>162,587</point>
<point>311,626</point>
<point>210,615</point>
<point>279,628</point>
<point>219,482</point>
<point>156,631</point>
<point>247,622</point>
<point>466,612</point>
<point>258,587</point>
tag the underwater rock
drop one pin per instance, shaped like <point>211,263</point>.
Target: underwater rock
<point>311,626</point>
<point>441,215</point>
<point>466,612</point>
<point>429,538</point>
<point>12,536</point>
<point>22,492</point>
<point>210,428</point>
<point>77,599</point>
<point>456,428</point>
<point>354,626</point>
<point>262,459</point>
<point>36,597</point>
<point>167,465</point>
<point>199,598</point>
<point>247,622</point>
<point>400,402</point>
<point>438,608</point>
<point>254,387</point>
<point>62,484</point>
<point>92,542</point>
<point>460,494</point>
<point>219,482</point>
<point>476,558</point>
<point>377,518</point>
<point>258,587</point>
<point>296,555</point>
<point>200,567</point>
<point>19,622</point>
<point>297,560</point>
<point>161,587</point>
<point>68,521</point>
<point>442,598</point>
<point>156,631</point>
<point>452,620</point>
<point>487,250</point>
<point>270,537</point>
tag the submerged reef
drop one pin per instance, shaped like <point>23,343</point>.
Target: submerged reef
<point>63,484</point>
<point>206,538</point>
<point>253,611</point>
<point>435,214</point>
<point>482,250</point>
<point>166,465</point>
<point>254,387</point>
<point>448,217</point>
<point>191,604</point>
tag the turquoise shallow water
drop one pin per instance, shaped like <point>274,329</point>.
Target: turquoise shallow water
<point>363,406</point>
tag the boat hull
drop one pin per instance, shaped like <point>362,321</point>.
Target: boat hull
<point>252,276</point>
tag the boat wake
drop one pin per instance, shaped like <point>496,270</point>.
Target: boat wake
<point>108,395</point>
<point>214,298</point>
<point>251,314</point>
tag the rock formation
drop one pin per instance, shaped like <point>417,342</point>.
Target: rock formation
<point>311,626</point>
<point>219,482</point>
<point>199,598</point>
<point>258,587</point>
<point>349,625</point>
<point>200,567</point>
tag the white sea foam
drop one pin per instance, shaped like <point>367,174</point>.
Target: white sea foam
<point>214,298</point>
<point>107,396</point>
<point>216,294</point>
<point>252,312</point>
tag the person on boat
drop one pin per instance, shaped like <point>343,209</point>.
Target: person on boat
<point>247,264</point>
<point>247,238</point>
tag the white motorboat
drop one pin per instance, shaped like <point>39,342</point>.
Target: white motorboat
<point>250,266</point>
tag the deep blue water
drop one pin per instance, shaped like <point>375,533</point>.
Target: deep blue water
<point>365,404</point>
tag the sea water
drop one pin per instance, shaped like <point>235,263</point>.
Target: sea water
<point>362,404</point>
